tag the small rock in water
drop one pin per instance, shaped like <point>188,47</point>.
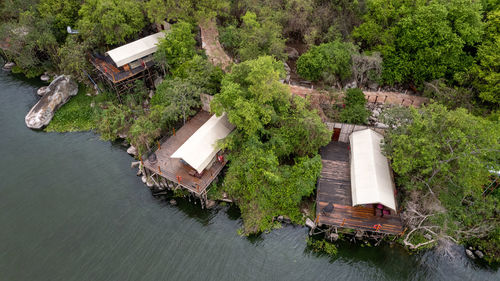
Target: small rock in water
<point>143,178</point>
<point>479,254</point>
<point>132,150</point>
<point>173,202</point>
<point>8,66</point>
<point>149,182</point>
<point>280,218</point>
<point>470,254</point>
<point>45,78</point>
<point>310,223</point>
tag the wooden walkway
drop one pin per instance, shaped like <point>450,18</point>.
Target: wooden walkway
<point>334,187</point>
<point>172,169</point>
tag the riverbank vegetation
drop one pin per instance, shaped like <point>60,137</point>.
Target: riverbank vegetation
<point>444,155</point>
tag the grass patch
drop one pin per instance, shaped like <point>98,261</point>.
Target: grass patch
<point>75,115</point>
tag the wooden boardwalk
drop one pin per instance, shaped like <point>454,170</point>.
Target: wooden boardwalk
<point>172,169</point>
<point>334,187</point>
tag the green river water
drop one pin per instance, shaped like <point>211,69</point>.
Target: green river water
<point>71,208</point>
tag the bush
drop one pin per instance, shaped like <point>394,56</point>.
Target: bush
<point>322,246</point>
<point>331,61</point>
<point>355,111</point>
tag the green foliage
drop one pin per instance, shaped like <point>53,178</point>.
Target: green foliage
<point>447,155</point>
<point>111,21</point>
<point>355,111</point>
<point>229,37</point>
<point>33,47</point>
<point>274,161</point>
<point>72,59</point>
<point>143,132</point>
<point>331,61</point>
<point>487,70</point>
<point>166,10</point>
<point>76,115</point>
<point>177,47</point>
<point>61,14</point>
<point>199,72</point>
<point>322,246</point>
<point>178,96</point>
<point>114,120</point>
<point>260,38</point>
<point>421,40</point>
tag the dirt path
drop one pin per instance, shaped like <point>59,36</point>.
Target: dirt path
<point>211,45</point>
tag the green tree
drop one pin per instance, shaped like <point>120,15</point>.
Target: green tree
<point>33,46</point>
<point>177,47</point>
<point>331,61</point>
<point>61,14</point>
<point>165,10</point>
<point>487,71</point>
<point>274,161</point>
<point>444,158</point>
<point>179,96</point>
<point>355,111</point>
<point>260,38</point>
<point>111,21</point>
<point>72,58</point>
<point>201,73</point>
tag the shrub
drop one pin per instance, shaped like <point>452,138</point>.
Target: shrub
<point>355,111</point>
<point>330,61</point>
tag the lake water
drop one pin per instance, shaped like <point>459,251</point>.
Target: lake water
<point>71,208</point>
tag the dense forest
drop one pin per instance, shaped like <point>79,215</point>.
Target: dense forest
<point>445,155</point>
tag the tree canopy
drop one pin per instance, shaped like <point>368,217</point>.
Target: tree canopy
<point>273,153</point>
<point>447,157</point>
<point>111,21</point>
<point>330,61</point>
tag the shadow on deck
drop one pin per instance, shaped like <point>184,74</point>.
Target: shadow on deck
<point>334,186</point>
<point>174,170</point>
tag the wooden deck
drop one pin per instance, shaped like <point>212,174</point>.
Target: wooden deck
<point>334,186</point>
<point>117,74</point>
<point>173,170</point>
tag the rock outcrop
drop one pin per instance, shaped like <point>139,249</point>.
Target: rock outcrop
<point>57,94</point>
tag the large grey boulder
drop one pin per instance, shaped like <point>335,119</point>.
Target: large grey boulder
<point>57,94</point>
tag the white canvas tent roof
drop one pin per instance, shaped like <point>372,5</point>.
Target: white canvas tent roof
<point>201,147</point>
<point>371,180</point>
<point>135,50</point>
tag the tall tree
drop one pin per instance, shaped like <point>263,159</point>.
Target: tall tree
<point>444,160</point>
<point>273,156</point>
<point>177,47</point>
<point>111,21</point>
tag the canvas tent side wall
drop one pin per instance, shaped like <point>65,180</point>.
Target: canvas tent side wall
<point>135,50</point>
<point>371,180</point>
<point>199,150</point>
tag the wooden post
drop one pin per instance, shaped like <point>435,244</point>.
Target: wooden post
<point>142,163</point>
<point>159,146</point>
<point>174,131</point>
<point>376,98</point>
<point>385,98</point>
<point>342,225</point>
<point>159,170</point>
